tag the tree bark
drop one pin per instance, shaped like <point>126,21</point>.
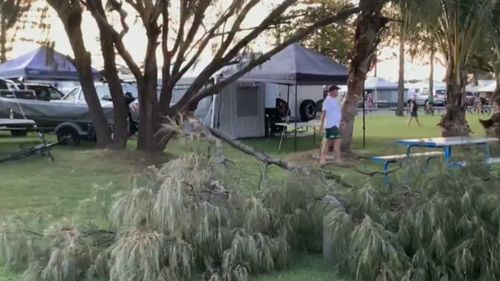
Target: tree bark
<point>401,81</point>
<point>151,115</point>
<point>3,39</point>
<point>431,73</point>
<point>120,108</point>
<point>369,24</point>
<point>453,122</point>
<point>495,98</point>
<point>70,14</point>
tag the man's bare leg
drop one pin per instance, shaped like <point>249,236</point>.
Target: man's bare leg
<point>324,151</point>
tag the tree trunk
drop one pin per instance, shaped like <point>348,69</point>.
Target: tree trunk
<point>70,13</point>
<point>401,81</point>
<point>495,98</point>
<point>120,108</point>
<point>369,25</point>
<point>3,39</point>
<point>83,65</point>
<point>454,122</point>
<point>151,115</point>
<point>431,73</point>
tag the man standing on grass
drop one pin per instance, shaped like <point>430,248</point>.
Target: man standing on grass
<point>414,111</point>
<point>331,122</point>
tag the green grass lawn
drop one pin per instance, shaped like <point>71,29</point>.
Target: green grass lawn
<point>382,131</point>
<point>37,185</point>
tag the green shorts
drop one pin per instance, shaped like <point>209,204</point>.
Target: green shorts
<point>332,133</point>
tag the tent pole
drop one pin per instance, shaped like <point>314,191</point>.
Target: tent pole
<point>295,119</point>
<point>288,103</point>
<point>364,119</point>
<point>212,121</point>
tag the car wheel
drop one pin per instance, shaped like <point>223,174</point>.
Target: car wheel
<point>68,136</point>
<point>19,133</point>
<point>307,110</point>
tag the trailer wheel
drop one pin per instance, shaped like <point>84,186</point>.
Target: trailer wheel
<point>307,110</point>
<point>68,136</point>
<point>19,133</point>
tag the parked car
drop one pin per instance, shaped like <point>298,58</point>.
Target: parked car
<point>130,91</point>
<point>439,98</point>
<point>421,98</point>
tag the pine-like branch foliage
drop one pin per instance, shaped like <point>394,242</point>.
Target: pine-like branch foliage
<point>444,227</point>
<point>188,223</point>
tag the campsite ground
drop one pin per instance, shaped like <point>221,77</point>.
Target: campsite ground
<point>36,185</point>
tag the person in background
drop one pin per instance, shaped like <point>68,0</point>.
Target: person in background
<point>430,104</point>
<point>369,101</point>
<point>331,122</point>
<point>414,111</point>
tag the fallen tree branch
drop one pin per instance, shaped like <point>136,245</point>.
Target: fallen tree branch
<point>193,128</point>
<point>365,173</point>
<point>261,156</point>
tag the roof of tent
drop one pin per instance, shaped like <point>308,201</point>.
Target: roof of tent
<point>379,84</point>
<point>298,65</point>
<point>489,88</point>
<point>42,64</point>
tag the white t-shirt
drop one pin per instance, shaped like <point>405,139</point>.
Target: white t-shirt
<point>332,108</point>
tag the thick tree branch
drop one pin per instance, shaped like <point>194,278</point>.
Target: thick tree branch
<point>198,16</point>
<point>204,40</point>
<point>117,39</point>
<point>261,156</point>
<point>236,26</point>
<point>191,98</point>
<point>218,64</point>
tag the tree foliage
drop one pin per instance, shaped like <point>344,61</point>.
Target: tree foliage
<point>22,16</point>
<point>334,40</point>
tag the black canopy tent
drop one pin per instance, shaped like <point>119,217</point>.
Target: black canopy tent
<point>296,65</point>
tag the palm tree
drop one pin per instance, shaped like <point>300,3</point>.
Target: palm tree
<point>403,28</point>
<point>456,27</point>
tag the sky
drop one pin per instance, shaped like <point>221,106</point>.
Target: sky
<point>135,41</point>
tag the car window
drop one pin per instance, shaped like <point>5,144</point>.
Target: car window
<point>103,92</point>
<point>42,93</point>
<point>131,88</point>
<point>73,95</point>
<point>55,94</point>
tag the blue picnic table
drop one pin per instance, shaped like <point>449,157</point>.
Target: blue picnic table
<point>447,144</point>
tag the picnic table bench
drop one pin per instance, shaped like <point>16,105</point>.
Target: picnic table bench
<point>399,158</point>
<point>444,143</point>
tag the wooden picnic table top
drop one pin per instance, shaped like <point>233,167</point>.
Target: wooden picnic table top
<point>446,141</point>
